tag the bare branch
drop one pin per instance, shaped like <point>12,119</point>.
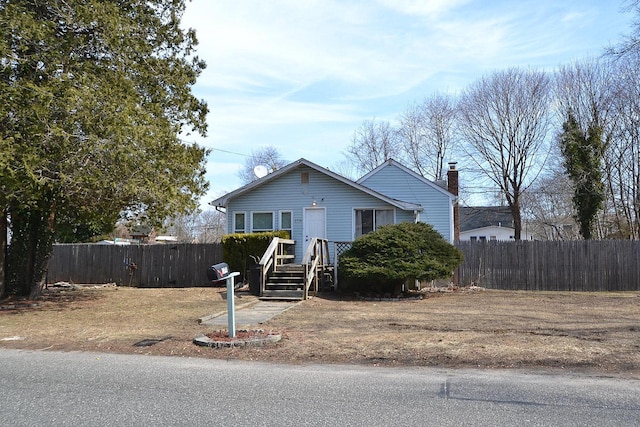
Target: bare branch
<point>504,117</point>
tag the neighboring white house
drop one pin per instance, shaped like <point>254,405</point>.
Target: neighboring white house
<point>493,232</point>
<point>486,223</point>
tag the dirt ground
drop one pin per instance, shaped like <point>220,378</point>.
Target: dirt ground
<point>596,333</point>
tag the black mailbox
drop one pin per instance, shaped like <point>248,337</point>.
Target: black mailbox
<point>218,272</point>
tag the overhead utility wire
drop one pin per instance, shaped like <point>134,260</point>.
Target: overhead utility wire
<point>230,152</point>
<point>219,149</point>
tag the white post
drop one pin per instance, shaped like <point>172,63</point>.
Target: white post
<point>231,309</point>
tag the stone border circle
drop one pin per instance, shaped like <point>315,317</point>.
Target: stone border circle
<point>270,338</point>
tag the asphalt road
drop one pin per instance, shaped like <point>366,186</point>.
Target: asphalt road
<point>93,389</point>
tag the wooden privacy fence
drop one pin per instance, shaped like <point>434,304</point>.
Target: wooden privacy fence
<point>602,265</point>
<point>606,265</point>
<point>166,265</point>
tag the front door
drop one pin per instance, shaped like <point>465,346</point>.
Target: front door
<point>315,225</point>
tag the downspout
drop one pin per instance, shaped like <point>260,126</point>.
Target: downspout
<point>416,219</point>
<point>454,235</point>
<point>453,188</point>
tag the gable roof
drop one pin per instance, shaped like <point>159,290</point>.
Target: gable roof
<point>224,200</point>
<point>141,231</point>
<point>391,162</point>
<point>472,217</point>
<point>489,228</point>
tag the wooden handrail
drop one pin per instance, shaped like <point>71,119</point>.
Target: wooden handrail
<point>269,260</point>
<point>315,259</point>
<point>316,256</point>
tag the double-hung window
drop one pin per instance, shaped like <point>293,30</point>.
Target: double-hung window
<point>368,220</point>
<point>285,221</point>
<point>239,222</point>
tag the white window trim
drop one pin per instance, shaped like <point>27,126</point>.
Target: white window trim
<point>280,220</point>
<point>234,228</point>
<point>273,219</point>
<point>380,208</point>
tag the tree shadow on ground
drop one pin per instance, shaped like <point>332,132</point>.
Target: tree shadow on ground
<point>52,298</point>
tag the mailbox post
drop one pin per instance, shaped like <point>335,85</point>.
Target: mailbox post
<point>231,308</point>
<point>217,273</point>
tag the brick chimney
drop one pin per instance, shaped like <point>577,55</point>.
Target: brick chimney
<point>452,187</point>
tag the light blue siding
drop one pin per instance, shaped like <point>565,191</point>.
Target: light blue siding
<point>395,182</point>
<point>302,185</point>
<point>287,192</point>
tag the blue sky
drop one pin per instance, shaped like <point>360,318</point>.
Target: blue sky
<point>302,75</point>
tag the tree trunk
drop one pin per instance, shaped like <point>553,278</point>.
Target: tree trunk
<point>3,249</point>
<point>517,219</point>
<point>31,246</point>
<point>44,248</point>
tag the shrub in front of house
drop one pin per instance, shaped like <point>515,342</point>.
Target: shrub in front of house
<point>382,261</point>
<point>238,248</point>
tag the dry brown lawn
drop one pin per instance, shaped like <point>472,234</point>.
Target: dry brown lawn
<point>577,332</point>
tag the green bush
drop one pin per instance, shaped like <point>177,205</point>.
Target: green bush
<point>238,248</point>
<point>382,261</point>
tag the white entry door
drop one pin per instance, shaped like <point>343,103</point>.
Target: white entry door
<point>315,225</point>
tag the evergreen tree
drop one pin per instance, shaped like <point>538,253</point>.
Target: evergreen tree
<point>383,260</point>
<point>94,96</point>
<point>583,154</point>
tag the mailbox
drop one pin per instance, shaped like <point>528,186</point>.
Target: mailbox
<point>218,272</point>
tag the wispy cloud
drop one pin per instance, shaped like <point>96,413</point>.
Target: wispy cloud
<point>307,73</point>
<point>430,9</point>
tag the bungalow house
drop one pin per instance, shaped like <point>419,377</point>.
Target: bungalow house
<point>311,201</point>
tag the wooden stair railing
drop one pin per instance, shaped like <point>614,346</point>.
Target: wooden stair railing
<point>275,263</point>
<point>315,260</point>
<point>274,256</point>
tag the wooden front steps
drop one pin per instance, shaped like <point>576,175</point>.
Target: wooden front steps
<point>286,283</point>
<point>278,295</point>
<point>281,279</point>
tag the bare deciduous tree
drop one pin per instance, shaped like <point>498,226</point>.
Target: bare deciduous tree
<point>346,168</point>
<point>631,42</point>
<point>548,208</point>
<point>584,94</point>
<point>427,131</point>
<point>622,156</point>
<point>504,118</point>
<point>183,227</point>
<point>198,227</point>
<point>269,157</point>
<point>212,226</point>
<point>584,90</point>
<point>373,143</point>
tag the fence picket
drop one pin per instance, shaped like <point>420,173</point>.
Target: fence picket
<point>598,265</point>
<point>171,265</point>
<point>603,265</point>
